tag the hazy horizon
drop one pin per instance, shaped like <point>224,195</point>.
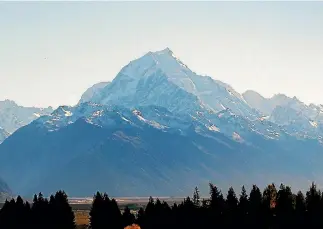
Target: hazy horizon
<point>52,52</point>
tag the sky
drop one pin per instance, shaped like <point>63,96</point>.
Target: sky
<point>51,52</point>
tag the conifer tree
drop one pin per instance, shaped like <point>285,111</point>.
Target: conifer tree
<point>6,214</point>
<point>114,216</point>
<point>255,213</point>
<point>269,203</point>
<point>127,217</point>
<point>284,206</point>
<point>231,209</point>
<point>243,207</point>
<point>196,197</point>
<point>314,207</point>
<point>141,218</point>
<point>216,206</point>
<point>65,218</point>
<point>97,216</point>
<point>39,212</point>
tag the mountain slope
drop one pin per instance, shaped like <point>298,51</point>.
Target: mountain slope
<point>293,115</point>
<point>144,151</point>
<point>159,129</point>
<point>160,78</point>
<point>3,135</point>
<point>93,91</point>
<point>5,191</point>
<point>13,116</point>
<point>257,101</point>
<point>134,155</point>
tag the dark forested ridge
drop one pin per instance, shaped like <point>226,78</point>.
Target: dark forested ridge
<point>271,208</point>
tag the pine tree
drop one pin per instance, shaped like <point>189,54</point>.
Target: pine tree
<point>114,216</point>
<point>314,207</point>
<point>243,207</point>
<point>231,212</point>
<point>65,218</point>
<point>216,200</point>
<point>39,212</point>
<point>97,216</point>
<point>300,211</point>
<point>216,206</point>
<point>196,197</point>
<point>255,213</point>
<point>19,213</point>
<point>141,218</point>
<point>127,217</point>
<point>7,214</point>
<point>284,206</point>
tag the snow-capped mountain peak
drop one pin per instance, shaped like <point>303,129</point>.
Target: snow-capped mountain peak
<point>163,61</point>
<point>160,78</point>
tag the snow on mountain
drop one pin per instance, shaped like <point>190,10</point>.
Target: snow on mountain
<point>158,127</point>
<point>3,135</point>
<point>146,150</point>
<point>161,79</point>
<point>93,91</point>
<point>13,116</point>
<point>296,122</point>
<point>267,105</point>
<point>257,101</point>
<point>294,116</point>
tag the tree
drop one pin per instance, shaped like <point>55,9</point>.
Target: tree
<point>216,200</point>
<point>141,218</point>
<point>284,206</point>
<point>127,217</point>
<point>231,212</point>
<point>114,216</point>
<point>7,214</point>
<point>97,216</point>
<point>243,207</point>
<point>314,207</point>
<point>196,197</point>
<point>255,213</point>
<point>60,208</point>
<point>39,212</point>
<point>216,205</point>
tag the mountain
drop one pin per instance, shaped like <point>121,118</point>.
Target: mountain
<point>158,129</point>
<point>13,116</point>
<point>140,152</point>
<point>3,135</point>
<point>5,191</point>
<point>161,79</point>
<point>257,101</point>
<point>293,115</point>
<point>93,91</point>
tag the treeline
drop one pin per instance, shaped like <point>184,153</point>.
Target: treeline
<point>274,208</point>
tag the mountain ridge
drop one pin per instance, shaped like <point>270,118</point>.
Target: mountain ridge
<point>160,129</point>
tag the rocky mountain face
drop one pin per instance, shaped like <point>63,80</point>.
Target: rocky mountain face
<point>13,116</point>
<point>291,114</point>
<point>160,129</point>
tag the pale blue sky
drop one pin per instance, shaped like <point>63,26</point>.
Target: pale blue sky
<point>270,47</point>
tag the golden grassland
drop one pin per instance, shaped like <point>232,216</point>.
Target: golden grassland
<point>81,217</point>
<point>82,220</point>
